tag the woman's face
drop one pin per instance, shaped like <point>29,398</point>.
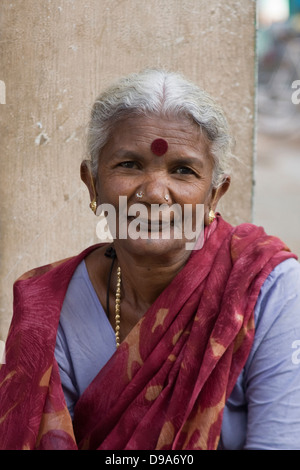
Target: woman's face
<point>181,176</point>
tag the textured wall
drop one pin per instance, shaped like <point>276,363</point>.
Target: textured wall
<point>56,55</point>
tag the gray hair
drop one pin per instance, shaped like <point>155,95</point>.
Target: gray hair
<point>155,92</point>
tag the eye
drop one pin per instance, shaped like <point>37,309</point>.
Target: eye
<point>129,164</point>
<point>184,170</point>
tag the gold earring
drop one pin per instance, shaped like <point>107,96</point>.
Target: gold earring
<point>211,216</point>
<point>93,206</point>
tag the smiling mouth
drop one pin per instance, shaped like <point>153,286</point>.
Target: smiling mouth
<point>148,225</point>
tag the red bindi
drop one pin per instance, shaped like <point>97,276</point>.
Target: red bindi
<point>159,147</point>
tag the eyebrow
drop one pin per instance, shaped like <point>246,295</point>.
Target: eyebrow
<point>123,153</point>
<point>190,161</point>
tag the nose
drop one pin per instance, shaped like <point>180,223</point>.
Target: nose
<point>155,190</point>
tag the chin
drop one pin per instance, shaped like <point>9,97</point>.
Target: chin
<point>154,247</point>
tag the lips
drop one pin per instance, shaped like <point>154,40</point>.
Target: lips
<point>151,225</point>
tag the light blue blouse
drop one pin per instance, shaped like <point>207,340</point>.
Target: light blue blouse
<point>263,411</point>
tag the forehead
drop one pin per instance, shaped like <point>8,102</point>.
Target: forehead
<point>140,132</point>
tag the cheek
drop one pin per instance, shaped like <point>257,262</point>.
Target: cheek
<point>195,193</point>
<point>110,187</point>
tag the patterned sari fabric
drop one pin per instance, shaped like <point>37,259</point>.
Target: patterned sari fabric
<point>167,384</point>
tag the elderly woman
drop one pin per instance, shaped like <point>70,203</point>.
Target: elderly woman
<point>145,344</point>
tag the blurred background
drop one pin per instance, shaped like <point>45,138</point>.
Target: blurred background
<point>277,172</point>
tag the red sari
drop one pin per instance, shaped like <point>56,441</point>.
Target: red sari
<point>167,384</point>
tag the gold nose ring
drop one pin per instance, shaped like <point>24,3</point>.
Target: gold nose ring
<point>139,195</point>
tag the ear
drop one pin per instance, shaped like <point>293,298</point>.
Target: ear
<point>215,197</point>
<point>218,193</point>
<point>87,178</point>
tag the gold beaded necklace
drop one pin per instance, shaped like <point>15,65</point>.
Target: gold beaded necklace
<point>111,253</point>
<point>117,307</point>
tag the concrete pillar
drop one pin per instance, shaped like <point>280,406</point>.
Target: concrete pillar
<point>56,56</point>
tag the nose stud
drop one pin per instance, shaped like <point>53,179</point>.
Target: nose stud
<point>140,194</point>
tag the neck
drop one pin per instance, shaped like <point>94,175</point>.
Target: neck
<point>145,278</point>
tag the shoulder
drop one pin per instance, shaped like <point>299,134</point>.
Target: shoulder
<point>252,239</point>
<point>277,319</point>
<point>282,284</point>
<point>40,270</point>
<point>56,265</point>
<point>43,289</point>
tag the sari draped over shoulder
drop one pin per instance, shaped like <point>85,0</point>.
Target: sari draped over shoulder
<point>166,385</point>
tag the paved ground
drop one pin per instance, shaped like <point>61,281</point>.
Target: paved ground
<point>277,189</point>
